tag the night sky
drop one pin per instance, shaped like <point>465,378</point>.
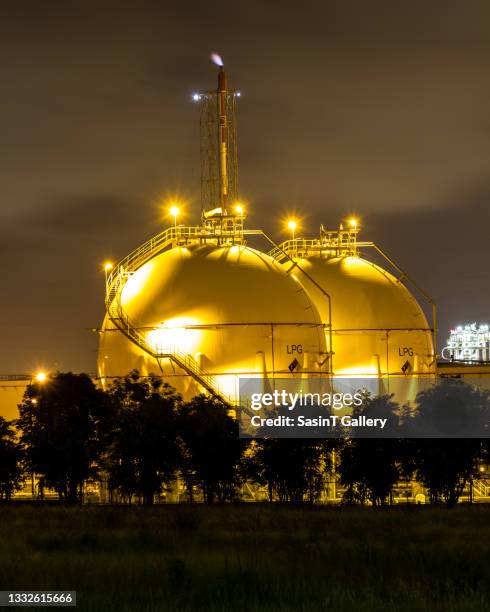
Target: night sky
<point>375,108</point>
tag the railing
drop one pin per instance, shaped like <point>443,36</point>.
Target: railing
<point>179,235</point>
<point>302,247</point>
<point>298,247</point>
<point>184,361</point>
<point>481,488</point>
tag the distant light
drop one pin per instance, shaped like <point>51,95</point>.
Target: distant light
<point>41,377</point>
<point>353,222</point>
<point>34,401</point>
<point>196,97</point>
<point>108,266</point>
<point>239,209</point>
<point>238,93</point>
<point>469,343</point>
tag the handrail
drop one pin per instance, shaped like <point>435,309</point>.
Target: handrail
<point>183,360</point>
<point>424,294</point>
<point>173,235</point>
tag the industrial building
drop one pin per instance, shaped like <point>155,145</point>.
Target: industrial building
<point>469,344</point>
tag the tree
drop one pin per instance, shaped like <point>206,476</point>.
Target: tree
<point>212,450</point>
<point>445,466</point>
<point>292,469</point>
<point>60,424</point>
<point>10,458</point>
<point>455,411</point>
<point>144,453</point>
<point>370,467</point>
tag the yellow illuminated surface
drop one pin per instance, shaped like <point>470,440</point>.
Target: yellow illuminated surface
<point>377,324</point>
<point>136,283</point>
<point>213,306</point>
<point>175,336</point>
<point>365,371</point>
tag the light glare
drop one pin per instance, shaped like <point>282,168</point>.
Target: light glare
<point>175,335</point>
<point>41,377</point>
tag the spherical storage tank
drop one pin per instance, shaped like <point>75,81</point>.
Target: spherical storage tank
<point>378,327</point>
<point>229,311</point>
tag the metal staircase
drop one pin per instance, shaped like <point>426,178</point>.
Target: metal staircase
<point>481,488</point>
<point>114,286</point>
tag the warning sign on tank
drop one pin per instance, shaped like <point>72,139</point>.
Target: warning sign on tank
<point>406,367</point>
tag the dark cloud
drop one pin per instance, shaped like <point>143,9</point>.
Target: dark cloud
<point>375,107</point>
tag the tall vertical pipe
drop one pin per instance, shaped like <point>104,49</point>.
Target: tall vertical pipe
<point>223,137</point>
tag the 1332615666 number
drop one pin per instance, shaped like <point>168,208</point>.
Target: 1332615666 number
<point>39,598</point>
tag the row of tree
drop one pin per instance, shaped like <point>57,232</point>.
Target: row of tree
<point>139,436</point>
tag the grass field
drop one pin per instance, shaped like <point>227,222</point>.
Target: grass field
<point>250,557</point>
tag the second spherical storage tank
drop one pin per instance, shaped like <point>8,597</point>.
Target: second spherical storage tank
<point>378,327</point>
<point>231,309</point>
